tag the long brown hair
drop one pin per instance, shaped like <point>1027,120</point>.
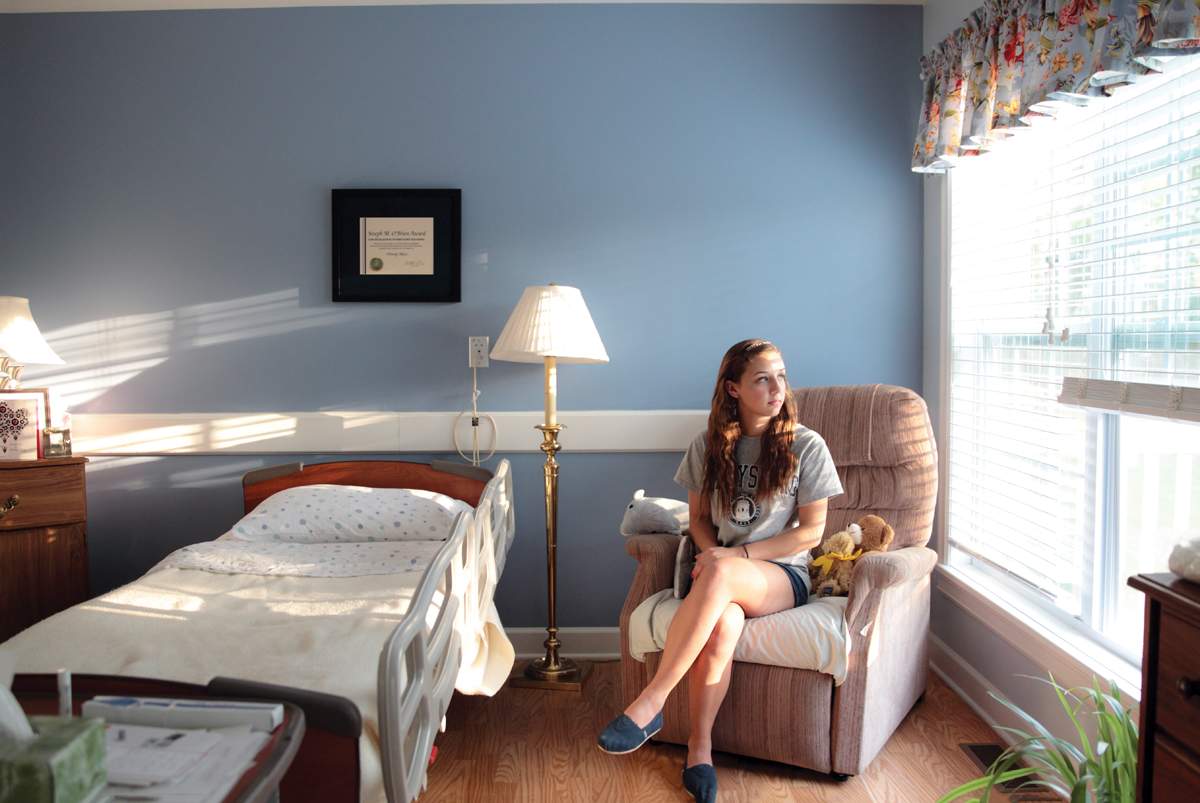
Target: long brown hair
<point>776,462</point>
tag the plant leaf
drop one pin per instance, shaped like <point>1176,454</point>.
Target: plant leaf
<point>980,783</point>
<point>1105,771</point>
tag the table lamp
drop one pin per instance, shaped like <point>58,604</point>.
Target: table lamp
<point>20,342</point>
<point>551,324</point>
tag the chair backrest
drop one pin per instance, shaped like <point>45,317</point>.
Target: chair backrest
<point>882,443</point>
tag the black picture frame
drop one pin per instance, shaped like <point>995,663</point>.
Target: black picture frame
<point>356,209</point>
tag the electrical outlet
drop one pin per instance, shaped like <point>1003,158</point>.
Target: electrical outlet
<point>477,352</point>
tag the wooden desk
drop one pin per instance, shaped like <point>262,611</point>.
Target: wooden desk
<point>38,694</point>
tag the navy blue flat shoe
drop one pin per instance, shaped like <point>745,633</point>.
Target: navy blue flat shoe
<point>624,736</point>
<point>701,781</point>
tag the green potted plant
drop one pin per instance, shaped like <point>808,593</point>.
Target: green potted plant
<point>1103,772</point>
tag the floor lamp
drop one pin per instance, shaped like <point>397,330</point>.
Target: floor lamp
<point>551,325</point>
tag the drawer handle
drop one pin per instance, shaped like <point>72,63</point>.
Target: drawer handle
<point>9,504</point>
<point>1188,687</point>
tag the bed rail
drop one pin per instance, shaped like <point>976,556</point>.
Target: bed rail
<point>420,662</point>
<point>417,668</point>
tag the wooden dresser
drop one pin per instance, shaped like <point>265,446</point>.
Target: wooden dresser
<point>43,540</point>
<point>1169,729</point>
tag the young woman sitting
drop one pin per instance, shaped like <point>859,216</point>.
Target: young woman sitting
<point>758,484</point>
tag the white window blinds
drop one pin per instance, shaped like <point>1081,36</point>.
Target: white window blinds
<point>1075,252</point>
<point>1160,401</point>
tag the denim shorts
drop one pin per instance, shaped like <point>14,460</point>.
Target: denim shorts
<point>797,576</point>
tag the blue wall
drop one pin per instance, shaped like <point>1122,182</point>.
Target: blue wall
<point>703,173</point>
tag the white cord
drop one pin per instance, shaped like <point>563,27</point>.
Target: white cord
<point>474,458</point>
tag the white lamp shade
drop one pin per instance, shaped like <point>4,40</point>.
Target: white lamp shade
<point>19,335</point>
<point>550,321</point>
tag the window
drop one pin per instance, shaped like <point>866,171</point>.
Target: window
<point>1075,252</point>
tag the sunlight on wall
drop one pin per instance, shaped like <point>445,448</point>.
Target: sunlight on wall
<point>230,433</point>
<point>183,438</point>
<point>101,463</point>
<point>356,420</point>
<point>102,354</point>
<point>213,433</point>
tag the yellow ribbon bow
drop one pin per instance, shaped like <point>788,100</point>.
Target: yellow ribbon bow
<point>827,560</point>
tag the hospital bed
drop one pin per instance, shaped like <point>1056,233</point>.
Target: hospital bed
<point>397,644</point>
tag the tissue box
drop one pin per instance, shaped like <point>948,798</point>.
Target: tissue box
<point>64,764</point>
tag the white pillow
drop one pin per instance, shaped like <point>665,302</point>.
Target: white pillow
<point>312,514</point>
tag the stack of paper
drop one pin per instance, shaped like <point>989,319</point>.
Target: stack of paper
<point>177,766</point>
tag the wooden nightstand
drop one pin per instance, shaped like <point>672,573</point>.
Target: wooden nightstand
<point>43,540</point>
<point>1169,726</point>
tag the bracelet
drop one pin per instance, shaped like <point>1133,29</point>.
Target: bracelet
<point>746,550</point>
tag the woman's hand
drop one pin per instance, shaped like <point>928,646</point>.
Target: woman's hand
<point>711,555</point>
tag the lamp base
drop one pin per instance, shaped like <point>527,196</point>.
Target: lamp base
<point>567,676</point>
<point>10,374</point>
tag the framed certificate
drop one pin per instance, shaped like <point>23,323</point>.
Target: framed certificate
<point>397,245</point>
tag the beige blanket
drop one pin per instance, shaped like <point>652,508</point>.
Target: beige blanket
<point>319,633</point>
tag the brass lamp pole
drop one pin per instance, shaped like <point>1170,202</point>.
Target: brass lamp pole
<point>551,668</point>
<point>551,324</point>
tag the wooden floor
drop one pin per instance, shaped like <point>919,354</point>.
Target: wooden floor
<point>533,746</point>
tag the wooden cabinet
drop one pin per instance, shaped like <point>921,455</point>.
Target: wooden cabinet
<point>1169,727</point>
<point>43,540</point>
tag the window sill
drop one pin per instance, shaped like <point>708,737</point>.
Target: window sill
<point>1067,653</point>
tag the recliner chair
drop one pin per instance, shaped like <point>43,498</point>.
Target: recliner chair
<point>882,442</point>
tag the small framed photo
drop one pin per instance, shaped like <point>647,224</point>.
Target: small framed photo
<point>23,416</point>
<point>397,245</point>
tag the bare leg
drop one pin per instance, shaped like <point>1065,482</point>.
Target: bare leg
<point>758,587</point>
<point>708,682</point>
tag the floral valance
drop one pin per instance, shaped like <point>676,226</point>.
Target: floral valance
<point>1013,60</point>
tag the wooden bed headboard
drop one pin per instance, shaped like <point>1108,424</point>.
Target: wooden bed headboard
<point>452,479</point>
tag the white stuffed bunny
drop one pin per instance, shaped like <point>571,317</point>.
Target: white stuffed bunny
<point>654,514</point>
<point>1185,559</point>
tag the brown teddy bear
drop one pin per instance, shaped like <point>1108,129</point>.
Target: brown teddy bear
<point>833,567</point>
<point>877,534</point>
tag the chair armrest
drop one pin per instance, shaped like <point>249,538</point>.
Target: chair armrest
<point>655,554</point>
<point>880,570</point>
<point>888,619</point>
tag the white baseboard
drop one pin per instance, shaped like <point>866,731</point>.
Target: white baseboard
<point>969,685</point>
<point>586,643</point>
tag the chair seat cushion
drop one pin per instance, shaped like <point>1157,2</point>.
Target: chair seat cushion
<point>813,636</point>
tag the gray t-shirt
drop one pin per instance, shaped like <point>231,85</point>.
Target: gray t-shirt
<point>749,519</point>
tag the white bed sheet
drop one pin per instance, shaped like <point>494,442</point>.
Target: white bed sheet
<point>319,633</point>
<point>814,636</point>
